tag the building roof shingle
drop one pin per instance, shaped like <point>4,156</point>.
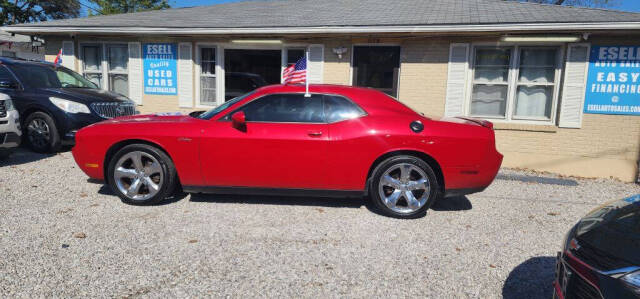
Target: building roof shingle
<point>340,13</point>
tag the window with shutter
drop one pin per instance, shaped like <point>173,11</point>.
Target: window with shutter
<point>315,64</point>
<point>456,79</point>
<point>573,90</point>
<point>68,55</point>
<point>185,75</point>
<point>135,72</point>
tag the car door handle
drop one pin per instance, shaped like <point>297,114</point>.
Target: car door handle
<point>314,133</point>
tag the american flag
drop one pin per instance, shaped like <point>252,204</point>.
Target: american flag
<point>58,59</point>
<point>296,73</point>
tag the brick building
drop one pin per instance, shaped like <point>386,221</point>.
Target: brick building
<point>561,84</point>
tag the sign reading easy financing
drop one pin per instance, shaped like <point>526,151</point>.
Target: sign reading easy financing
<point>613,83</point>
<point>160,71</point>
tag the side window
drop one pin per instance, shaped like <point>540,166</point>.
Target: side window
<point>337,108</point>
<point>285,108</point>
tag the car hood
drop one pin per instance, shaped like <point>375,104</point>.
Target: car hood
<point>613,228</point>
<point>86,95</point>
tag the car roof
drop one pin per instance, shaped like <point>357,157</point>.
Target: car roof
<point>12,61</point>
<point>372,100</point>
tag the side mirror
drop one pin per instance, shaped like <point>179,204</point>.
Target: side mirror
<point>238,121</point>
<point>8,84</point>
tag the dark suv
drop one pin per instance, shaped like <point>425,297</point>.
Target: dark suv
<point>54,102</point>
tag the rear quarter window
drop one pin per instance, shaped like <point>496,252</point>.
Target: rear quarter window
<point>337,108</point>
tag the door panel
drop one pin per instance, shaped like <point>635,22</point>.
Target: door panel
<point>267,155</point>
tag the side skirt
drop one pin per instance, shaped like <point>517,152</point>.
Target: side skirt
<point>274,191</point>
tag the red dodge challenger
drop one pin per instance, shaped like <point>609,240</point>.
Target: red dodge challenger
<point>334,141</point>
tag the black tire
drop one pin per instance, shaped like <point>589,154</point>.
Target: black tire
<point>168,169</point>
<point>38,141</point>
<point>388,164</point>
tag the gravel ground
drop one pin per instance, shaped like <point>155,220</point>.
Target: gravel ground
<point>61,236</point>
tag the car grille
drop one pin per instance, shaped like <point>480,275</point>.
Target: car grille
<point>597,258</point>
<point>3,109</point>
<point>573,285</point>
<point>580,288</point>
<point>113,109</point>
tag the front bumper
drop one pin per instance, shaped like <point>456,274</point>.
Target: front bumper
<point>70,123</point>
<point>10,133</point>
<point>576,279</point>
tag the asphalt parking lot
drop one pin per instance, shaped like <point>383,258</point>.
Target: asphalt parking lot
<point>61,235</point>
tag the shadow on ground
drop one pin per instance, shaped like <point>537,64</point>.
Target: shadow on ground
<point>458,203</point>
<point>106,190</point>
<point>24,155</point>
<point>531,279</point>
<point>280,200</point>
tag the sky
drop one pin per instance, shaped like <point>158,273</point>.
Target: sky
<point>628,5</point>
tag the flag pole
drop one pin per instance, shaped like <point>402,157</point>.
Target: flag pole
<point>306,79</point>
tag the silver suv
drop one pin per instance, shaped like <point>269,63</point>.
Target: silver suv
<point>9,126</point>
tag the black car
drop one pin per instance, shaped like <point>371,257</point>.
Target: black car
<point>601,254</point>
<point>54,102</point>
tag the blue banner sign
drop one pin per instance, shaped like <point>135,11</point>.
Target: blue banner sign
<point>160,69</point>
<point>613,82</point>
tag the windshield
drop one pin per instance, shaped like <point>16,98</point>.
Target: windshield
<point>213,112</point>
<point>44,76</point>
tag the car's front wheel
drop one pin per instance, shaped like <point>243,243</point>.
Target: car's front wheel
<point>41,133</point>
<point>141,174</point>
<point>403,187</point>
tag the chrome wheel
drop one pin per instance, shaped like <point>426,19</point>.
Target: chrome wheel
<point>404,188</point>
<point>39,133</point>
<point>138,175</point>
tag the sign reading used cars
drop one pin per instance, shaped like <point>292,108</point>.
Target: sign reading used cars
<point>160,69</point>
<point>613,82</point>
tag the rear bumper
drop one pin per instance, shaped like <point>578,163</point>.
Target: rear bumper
<point>471,179</point>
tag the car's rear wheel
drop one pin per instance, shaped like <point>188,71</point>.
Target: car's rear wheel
<point>141,174</point>
<point>403,187</point>
<point>41,133</point>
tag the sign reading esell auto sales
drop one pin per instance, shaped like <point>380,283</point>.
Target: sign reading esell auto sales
<point>613,82</point>
<point>160,69</point>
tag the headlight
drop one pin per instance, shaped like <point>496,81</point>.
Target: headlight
<point>8,104</point>
<point>69,106</point>
<point>633,280</point>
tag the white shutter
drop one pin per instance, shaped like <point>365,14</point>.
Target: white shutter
<point>456,80</point>
<point>185,76</point>
<point>315,64</point>
<point>68,55</point>
<point>135,72</point>
<point>575,75</point>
